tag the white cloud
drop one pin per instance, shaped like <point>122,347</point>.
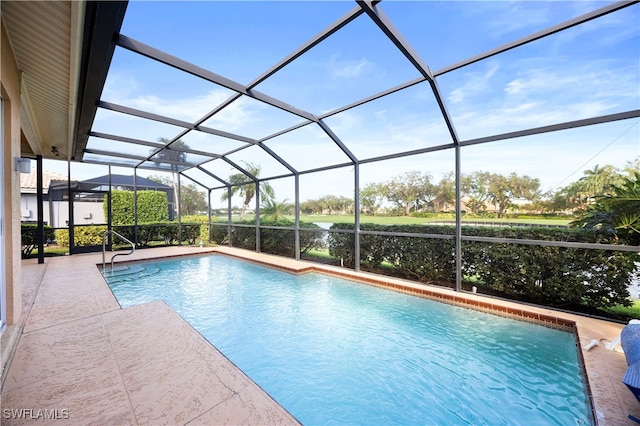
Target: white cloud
<point>514,87</point>
<point>419,133</point>
<point>519,16</point>
<point>341,69</point>
<point>344,122</point>
<point>541,95</point>
<point>504,119</point>
<point>474,82</point>
<point>498,20</point>
<point>189,109</point>
<point>544,81</point>
<point>233,117</point>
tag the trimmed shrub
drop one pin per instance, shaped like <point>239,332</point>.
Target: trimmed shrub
<point>62,237</point>
<point>165,232</point>
<point>274,241</point>
<point>153,207</point>
<point>220,234</point>
<point>121,207</point>
<point>203,220</point>
<point>84,236</point>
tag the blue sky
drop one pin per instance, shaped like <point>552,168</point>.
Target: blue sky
<point>588,71</point>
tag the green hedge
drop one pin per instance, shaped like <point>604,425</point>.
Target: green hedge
<point>29,237</point>
<point>203,220</point>
<point>164,232</point>
<point>121,207</point>
<point>553,276</point>
<point>220,234</point>
<point>274,241</point>
<point>153,207</point>
<point>84,236</point>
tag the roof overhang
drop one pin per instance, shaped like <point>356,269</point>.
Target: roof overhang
<point>102,23</point>
<point>63,50</point>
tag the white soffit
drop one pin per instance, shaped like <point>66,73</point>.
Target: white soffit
<point>46,38</point>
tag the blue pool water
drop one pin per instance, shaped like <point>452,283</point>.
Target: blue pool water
<point>336,352</point>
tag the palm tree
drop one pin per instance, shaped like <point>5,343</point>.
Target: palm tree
<point>274,210</point>
<point>246,190</point>
<point>172,156</point>
<point>618,213</point>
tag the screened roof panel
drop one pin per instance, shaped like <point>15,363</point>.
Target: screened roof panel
<point>164,167</point>
<point>222,169</point>
<point>95,143</point>
<point>356,62</point>
<point>573,75</point>
<point>252,118</point>
<point>404,121</point>
<point>81,169</point>
<point>269,166</point>
<point>446,32</point>
<point>139,82</point>
<point>109,159</point>
<point>120,124</point>
<point>214,144</point>
<point>171,157</point>
<point>266,32</point>
<point>307,148</point>
<point>310,59</point>
<point>202,177</point>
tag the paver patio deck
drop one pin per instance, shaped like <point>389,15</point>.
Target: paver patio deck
<point>83,359</point>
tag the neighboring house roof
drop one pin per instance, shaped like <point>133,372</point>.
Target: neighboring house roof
<point>29,182</point>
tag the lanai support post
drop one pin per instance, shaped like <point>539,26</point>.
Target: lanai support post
<point>297,213</point>
<point>229,215</point>
<point>257,184</point>
<point>356,226</point>
<point>135,206</point>
<point>70,206</point>
<point>458,222</point>
<point>179,213</point>
<point>40,201</point>
<point>209,214</point>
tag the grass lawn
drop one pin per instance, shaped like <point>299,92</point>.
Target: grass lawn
<point>632,311</point>
<point>407,220</point>
<point>51,251</point>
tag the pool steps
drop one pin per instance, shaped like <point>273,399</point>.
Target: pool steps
<point>124,272</point>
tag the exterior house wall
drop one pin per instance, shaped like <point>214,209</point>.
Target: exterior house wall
<point>86,213</point>
<point>59,212</point>
<point>56,213</point>
<point>29,209</point>
<point>10,87</point>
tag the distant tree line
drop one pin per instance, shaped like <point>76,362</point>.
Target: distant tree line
<point>415,191</point>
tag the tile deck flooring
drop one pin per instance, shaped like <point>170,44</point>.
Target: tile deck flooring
<point>81,359</point>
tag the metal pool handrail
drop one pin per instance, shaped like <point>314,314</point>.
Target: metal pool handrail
<point>104,249</point>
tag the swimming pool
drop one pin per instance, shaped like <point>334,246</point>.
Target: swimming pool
<point>336,352</point>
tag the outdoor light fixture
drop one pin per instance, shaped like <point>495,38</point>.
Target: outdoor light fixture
<point>23,165</point>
